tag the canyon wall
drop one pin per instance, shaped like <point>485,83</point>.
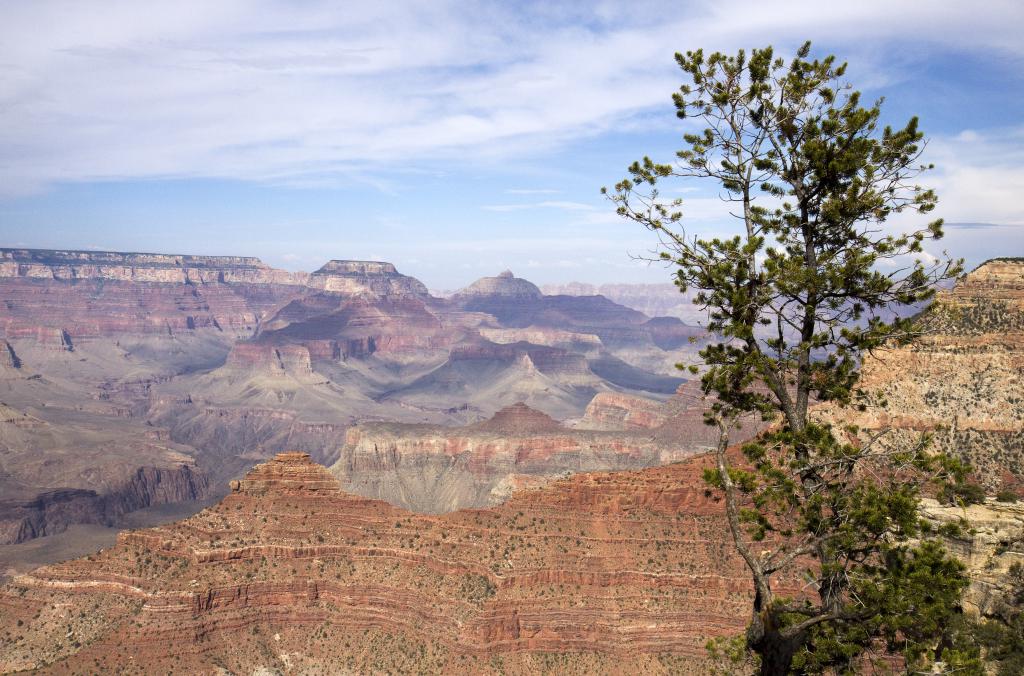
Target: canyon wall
<point>223,361</point>
<point>53,511</point>
<point>429,468</point>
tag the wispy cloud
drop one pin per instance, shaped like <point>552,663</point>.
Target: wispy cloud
<point>308,95</point>
<point>547,204</point>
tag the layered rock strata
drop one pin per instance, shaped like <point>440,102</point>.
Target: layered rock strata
<point>517,303</point>
<point>599,573</point>
<point>140,267</point>
<point>227,360</point>
<point>60,467</point>
<point>617,411</point>
<point>654,300</point>
<point>430,468</point>
<point>358,277</point>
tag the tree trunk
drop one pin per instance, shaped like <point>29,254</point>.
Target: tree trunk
<point>776,653</point>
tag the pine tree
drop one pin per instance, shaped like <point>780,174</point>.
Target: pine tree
<point>798,298</point>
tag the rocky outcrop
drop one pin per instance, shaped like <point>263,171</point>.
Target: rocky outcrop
<point>288,473</point>
<point>341,327</point>
<point>616,411</point>
<point>591,574</point>
<point>504,285</point>
<point>678,420</point>
<point>232,439</point>
<point>654,300</point>
<point>279,359</point>
<point>431,468</point>
<point>568,367</point>
<point>58,309</point>
<point>517,420</point>
<point>65,461</point>
<point>8,357</point>
<point>516,303</point>
<point>54,511</point>
<point>991,543</point>
<point>580,342</point>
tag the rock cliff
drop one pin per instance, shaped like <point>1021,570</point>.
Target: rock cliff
<point>517,303</point>
<point>621,572</point>
<point>64,296</point>
<point>616,411</point>
<point>654,300</point>
<point>505,285</point>
<point>140,267</point>
<point>993,542</point>
<point>224,360</point>
<point>430,468</point>
<point>53,511</point>
<point>106,293</point>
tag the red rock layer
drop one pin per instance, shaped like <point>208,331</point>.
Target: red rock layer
<point>44,309</point>
<point>518,419</point>
<point>340,327</point>
<point>679,420</point>
<point>87,294</point>
<point>610,573</point>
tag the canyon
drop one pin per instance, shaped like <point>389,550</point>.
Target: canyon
<point>431,468</point>
<point>132,380</point>
<point>569,534</point>
<point>655,300</point>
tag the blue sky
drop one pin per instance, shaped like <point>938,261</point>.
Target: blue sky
<point>454,139</point>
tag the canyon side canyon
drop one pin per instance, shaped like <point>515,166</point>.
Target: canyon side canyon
<point>495,481</point>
